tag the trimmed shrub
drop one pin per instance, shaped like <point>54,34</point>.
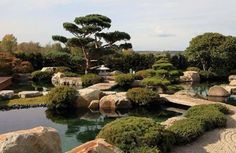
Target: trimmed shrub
<point>70,74</point>
<point>131,132</point>
<point>193,69</point>
<point>165,66</point>
<point>125,80</point>
<point>62,69</point>
<point>146,149</point>
<point>62,98</point>
<point>209,115</point>
<point>142,96</point>
<point>174,88</point>
<point>155,81</point>
<point>186,130</point>
<point>221,108</point>
<point>90,79</point>
<point>145,74</point>
<point>204,75</point>
<point>162,72</point>
<point>42,76</point>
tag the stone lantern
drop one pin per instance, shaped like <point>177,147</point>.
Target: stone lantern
<point>103,71</point>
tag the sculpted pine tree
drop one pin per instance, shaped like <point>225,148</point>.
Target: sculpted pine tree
<point>88,35</point>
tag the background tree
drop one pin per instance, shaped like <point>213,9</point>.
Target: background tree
<point>88,35</point>
<point>9,43</point>
<point>213,52</point>
<point>29,47</point>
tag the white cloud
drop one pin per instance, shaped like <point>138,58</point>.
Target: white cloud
<point>160,32</point>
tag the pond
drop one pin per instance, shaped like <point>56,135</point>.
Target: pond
<point>76,128</point>
<point>202,89</point>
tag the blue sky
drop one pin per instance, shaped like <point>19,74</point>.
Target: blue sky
<point>152,24</point>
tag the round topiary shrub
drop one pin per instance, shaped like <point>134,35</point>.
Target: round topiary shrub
<point>142,96</point>
<point>42,76</point>
<point>165,66</point>
<point>187,130</point>
<point>62,98</point>
<point>145,74</point>
<point>155,81</point>
<point>210,115</point>
<point>125,80</point>
<point>90,79</point>
<point>132,132</point>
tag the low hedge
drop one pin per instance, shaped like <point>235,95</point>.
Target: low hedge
<point>90,79</point>
<point>142,96</point>
<point>125,80</point>
<point>45,76</point>
<point>146,149</point>
<point>62,98</point>
<point>131,132</point>
<point>145,74</point>
<point>186,130</point>
<point>155,81</point>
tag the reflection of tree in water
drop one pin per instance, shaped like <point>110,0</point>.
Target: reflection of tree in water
<point>81,123</point>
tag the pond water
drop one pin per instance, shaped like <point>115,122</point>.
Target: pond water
<point>74,129</point>
<point>202,89</point>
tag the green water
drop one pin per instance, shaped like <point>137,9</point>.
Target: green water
<point>74,128</point>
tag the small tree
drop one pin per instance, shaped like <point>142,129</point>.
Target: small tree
<point>88,35</point>
<point>9,43</point>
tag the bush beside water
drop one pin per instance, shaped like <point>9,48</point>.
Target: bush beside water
<point>125,80</point>
<point>90,79</point>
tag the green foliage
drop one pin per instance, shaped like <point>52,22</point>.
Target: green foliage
<point>179,61</point>
<point>174,88</point>
<point>186,130</point>
<point>155,81</point>
<point>205,75</point>
<point>142,96</point>
<point>125,80</point>
<point>145,74</point>
<point>90,79</point>
<point>62,98</point>
<point>62,69</point>
<point>210,115</point>
<point>162,72</point>
<point>212,51</point>
<point>71,74</point>
<point>146,149</point>
<point>42,76</point>
<point>131,132</point>
<point>165,66</point>
<point>193,69</point>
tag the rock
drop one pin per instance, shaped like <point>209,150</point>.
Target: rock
<point>59,79</point>
<point>96,146</point>
<point>187,93</point>
<point>106,93</point>
<point>86,96</point>
<point>94,105</point>
<point>104,86</point>
<point>116,101</point>
<point>232,77</point>
<point>49,69</point>
<point>218,91</point>
<point>230,89</point>
<point>168,123</point>
<point>116,72</point>
<point>232,83</point>
<point>6,94</point>
<point>36,140</point>
<point>29,94</point>
<point>190,76</point>
<point>56,78</point>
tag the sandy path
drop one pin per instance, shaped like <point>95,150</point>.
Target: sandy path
<point>216,141</point>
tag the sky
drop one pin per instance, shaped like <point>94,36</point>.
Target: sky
<point>153,24</point>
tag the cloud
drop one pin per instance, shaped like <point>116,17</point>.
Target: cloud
<point>160,32</point>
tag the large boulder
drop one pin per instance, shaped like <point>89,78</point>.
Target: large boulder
<point>56,78</point>
<point>115,101</point>
<point>36,140</point>
<point>187,93</point>
<point>96,146</point>
<point>7,94</point>
<point>218,91</point>
<point>232,83</point>
<point>94,105</point>
<point>232,77</point>
<point>86,96</point>
<point>190,76</point>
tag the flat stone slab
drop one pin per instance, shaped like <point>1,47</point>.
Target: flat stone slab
<point>104,86</point>
<point>29,94</point>
<point>7,94</point>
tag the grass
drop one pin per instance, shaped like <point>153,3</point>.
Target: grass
<point>24,101</point>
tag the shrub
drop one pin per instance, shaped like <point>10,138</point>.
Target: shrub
<point>142,96</point>
<point>42,76</point>
<point>90,79</point>
<point>62,69</point>
<point>70,74</point>
<point>131,132</point>
<point>186,130</point>
<point>125,80</point>
<point>145,149</point>
<point>174,88</point>
<point>204,75</point>
<point>193,69</point>
<point>162,72</point>
<point>210,115</point>
<point>155,81</point>
<point>145,74</point>
<point>165,66</point>
<point>62,98</point>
